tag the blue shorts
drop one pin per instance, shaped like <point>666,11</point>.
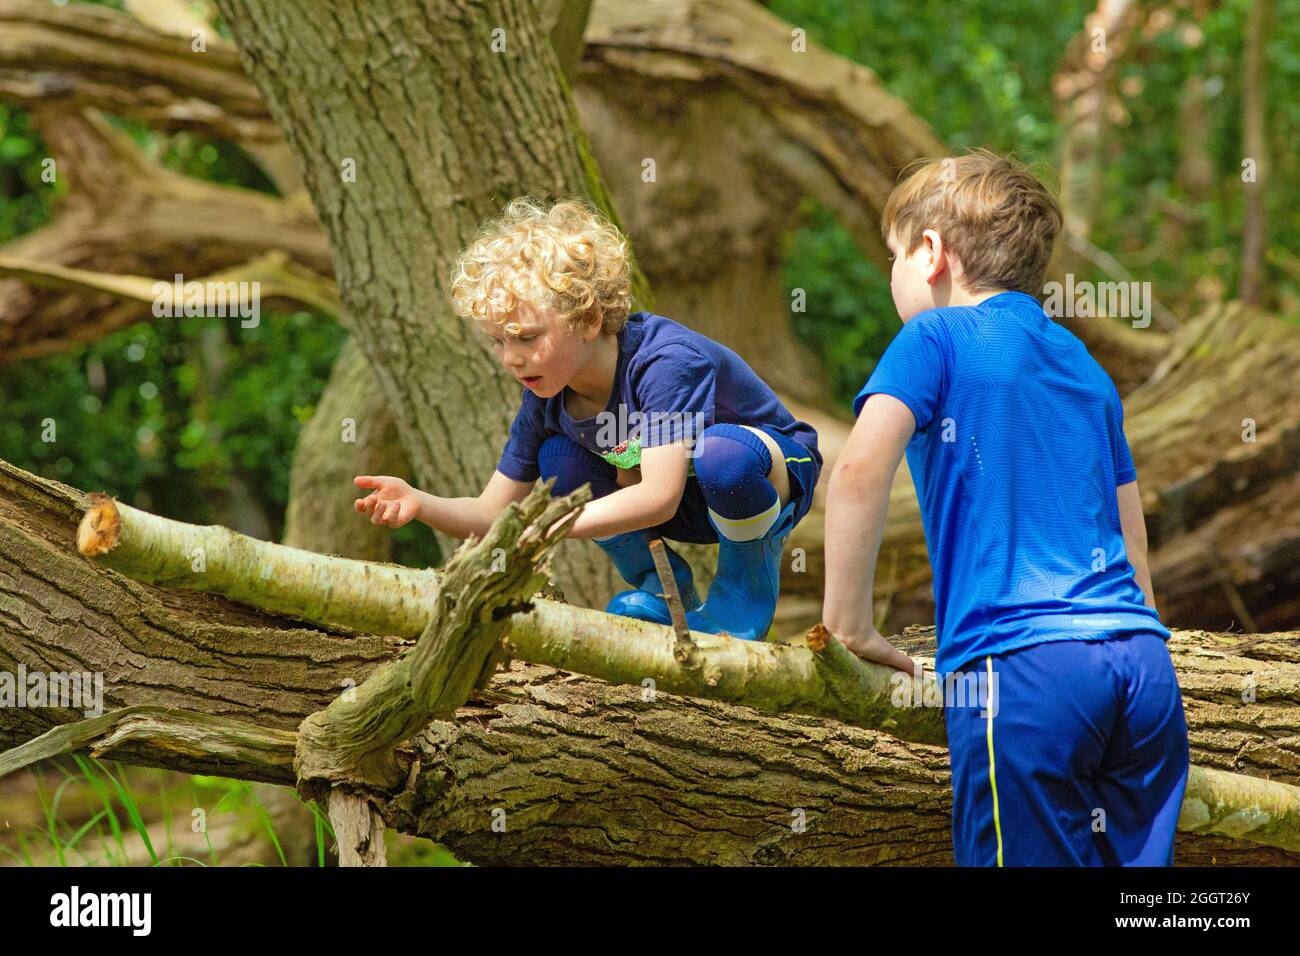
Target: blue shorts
<point>1081,760</point>
<point>691,522</point>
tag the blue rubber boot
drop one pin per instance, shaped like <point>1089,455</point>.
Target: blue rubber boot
<point>742,600</point>
<point>630,553</point>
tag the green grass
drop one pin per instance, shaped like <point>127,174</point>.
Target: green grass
<point>98,810</point>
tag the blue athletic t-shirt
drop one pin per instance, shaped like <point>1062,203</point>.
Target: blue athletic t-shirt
<point>1018,449</point>
<point>670,384</point>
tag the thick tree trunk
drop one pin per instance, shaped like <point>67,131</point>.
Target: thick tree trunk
<point>353,431</point>
<point>584,771</point>
<point>580,772</point>
<point>429,128</point>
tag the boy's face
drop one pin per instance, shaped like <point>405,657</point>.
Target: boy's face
<point>911,279</point>
<point>544,354</point>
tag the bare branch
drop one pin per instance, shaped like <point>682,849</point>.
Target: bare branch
<point>87,55</point>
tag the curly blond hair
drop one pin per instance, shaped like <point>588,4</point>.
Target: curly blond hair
<point>566,257</point>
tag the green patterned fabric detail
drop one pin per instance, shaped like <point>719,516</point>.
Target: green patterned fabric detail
<point>628,455</point>
<point>625,455</point>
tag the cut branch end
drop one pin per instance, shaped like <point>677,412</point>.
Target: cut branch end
<point>100,526</point>
<point>817,638</point>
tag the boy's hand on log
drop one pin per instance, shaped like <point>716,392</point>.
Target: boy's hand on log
<point>873,646</point>
<point>392,503</point>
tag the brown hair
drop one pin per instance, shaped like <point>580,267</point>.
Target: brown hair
<point>993,214</point>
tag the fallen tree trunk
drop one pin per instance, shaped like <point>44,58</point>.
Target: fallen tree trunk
<point>558,753</point>
<point>1215,434</point>
<point>584,772</point>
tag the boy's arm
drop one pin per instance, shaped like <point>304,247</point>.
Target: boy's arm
<point>856,502</point>
<point>461,517</point>
<point>1134,525</point>
<point>651,501</point>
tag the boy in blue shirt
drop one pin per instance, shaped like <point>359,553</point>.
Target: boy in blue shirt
<point>1078,753</point>
<point>676,435</point>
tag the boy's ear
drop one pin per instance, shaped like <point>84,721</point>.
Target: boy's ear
<point>936,254</point>
<point>593,324</point>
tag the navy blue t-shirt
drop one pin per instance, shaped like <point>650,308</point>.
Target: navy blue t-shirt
<point>1018,449</point>
<point>670,384</point>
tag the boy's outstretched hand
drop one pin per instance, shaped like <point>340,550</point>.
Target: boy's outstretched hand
<point>392,503</point>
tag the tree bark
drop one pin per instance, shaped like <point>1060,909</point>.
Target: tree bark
<point>584,773</point>
<point>353,431</point>
<point>576,765</point>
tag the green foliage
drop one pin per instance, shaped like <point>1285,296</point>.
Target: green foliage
<point>167,414</point>
<point>1141,189</point>
<point>199,156</point>
<point>28,184</point>
<point>968,70</point>
<point>978,73</point>
<point>981,75</point>
<point>850,315</point>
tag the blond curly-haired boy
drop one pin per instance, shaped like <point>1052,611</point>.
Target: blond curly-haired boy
<point>675,433</point>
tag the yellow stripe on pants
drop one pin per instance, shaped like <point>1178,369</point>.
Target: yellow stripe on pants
<point>993,780</point>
